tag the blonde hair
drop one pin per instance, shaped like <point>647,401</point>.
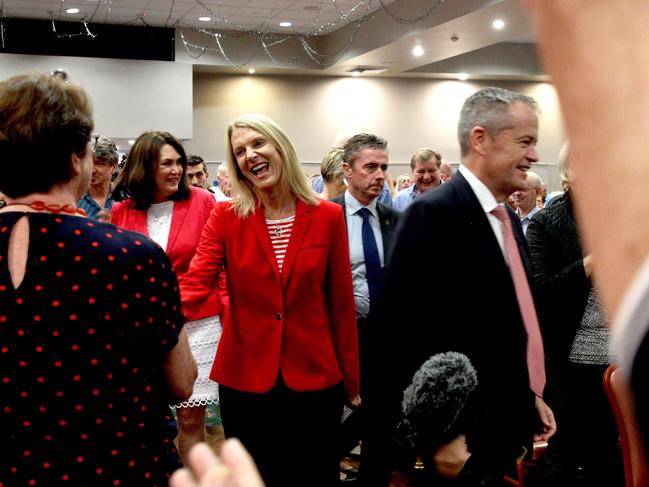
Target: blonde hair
<point>563,167</point>
<point>293,179</point>
<point>331,167</point>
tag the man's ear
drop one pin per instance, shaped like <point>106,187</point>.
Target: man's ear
<point>347,169</point>
<point>479,138</point>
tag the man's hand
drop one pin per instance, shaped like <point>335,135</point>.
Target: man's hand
<point>354,402</point>
<point>547,419</point>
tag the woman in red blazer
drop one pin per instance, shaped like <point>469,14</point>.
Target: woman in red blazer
<point>163,206</point>
<point>288,355</point>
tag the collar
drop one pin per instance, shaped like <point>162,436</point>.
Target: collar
<point>485,196</point>
<point>532,212</point>
<point>353,205</point>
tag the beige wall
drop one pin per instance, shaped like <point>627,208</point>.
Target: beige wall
<point>128,96</point>
<point>409,113</point>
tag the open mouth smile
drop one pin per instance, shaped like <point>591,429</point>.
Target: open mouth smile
<point>258,169</point>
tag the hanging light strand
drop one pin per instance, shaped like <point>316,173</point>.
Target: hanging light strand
<point>85,32</point>
<point>413,20</point>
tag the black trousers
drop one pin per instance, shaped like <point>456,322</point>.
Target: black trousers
<point>292,436</point>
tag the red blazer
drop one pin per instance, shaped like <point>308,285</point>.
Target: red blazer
<point>187,222</point>
<point>301,323</point>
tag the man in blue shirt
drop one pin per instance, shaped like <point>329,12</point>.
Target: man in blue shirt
<point>98,201</point>
<point>425,164</point>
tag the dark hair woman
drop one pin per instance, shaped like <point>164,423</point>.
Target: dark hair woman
<point>91,347</point>
<point>163,206</point>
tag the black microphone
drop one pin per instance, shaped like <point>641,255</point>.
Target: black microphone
<point>438,393</point>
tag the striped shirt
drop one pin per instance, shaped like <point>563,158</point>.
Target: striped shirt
<point>280,232</point>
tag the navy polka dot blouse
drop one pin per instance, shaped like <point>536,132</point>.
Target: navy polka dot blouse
<point>83,341</point>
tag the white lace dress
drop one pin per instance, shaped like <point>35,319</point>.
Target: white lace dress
<point>204,334</point>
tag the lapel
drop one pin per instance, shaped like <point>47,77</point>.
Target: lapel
<point>177,219</point>
<point>478,227</point>
<point>137,221</point>
<point>300,226</point>
<point>387,227</point>
<point>261,232</point>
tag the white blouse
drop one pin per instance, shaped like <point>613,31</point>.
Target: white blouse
<point>158,222</point>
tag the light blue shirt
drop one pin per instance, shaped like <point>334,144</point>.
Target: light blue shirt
<point>356,255</point>
<point>404,197</point>
<point>525,221</point>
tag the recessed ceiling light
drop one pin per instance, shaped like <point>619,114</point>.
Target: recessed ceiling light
<point>356,73</point>
<point>462,76</point>
<point>498,24</point>
<point>285,24</point>
<point>131,141</point>
<point>417,50</point>
<point>205,19</point>
<point>72,11</point>
<point>251,71</point>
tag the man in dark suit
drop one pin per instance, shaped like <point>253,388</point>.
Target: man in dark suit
<point>370,225</point>
<point>485,317</point>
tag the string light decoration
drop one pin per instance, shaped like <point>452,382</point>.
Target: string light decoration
<point>85,32</point>
<point>260,37</point>
<point>414,20</point>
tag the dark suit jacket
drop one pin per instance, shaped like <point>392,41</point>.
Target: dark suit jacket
<point>388,218</point>
<point>450,289</point>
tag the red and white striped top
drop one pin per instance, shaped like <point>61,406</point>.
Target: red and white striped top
<point>280,233</point>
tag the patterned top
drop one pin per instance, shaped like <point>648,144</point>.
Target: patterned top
<point>83,341</point>
<point>280,233</point>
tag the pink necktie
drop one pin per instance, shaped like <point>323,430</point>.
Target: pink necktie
<point>535,354</point>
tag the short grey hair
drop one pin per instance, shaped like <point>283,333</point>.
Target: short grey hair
<point>221,170</point>
<point>534,180</point>
<point>362,141</point>
<point>106,150</point>
<point>488,108</point>
<point>563,164</point>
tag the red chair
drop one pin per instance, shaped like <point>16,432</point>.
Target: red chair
<point>636,471</point>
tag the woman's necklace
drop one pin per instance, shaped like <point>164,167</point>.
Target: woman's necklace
<point>277,229</point>
<point>51,207</point>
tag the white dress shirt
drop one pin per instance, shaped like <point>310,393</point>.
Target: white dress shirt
<point>356,255</point>
<point>488,202</point>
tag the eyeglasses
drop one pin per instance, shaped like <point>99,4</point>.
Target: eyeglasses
<point>94,138</point>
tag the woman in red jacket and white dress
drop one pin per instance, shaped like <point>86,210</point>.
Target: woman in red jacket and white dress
<point>162,205</point>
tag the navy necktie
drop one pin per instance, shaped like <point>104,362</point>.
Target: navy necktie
<point>373,270</point>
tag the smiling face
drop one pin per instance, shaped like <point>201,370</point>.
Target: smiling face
<point>167,174</point>
<point>258,159</point>
<point>426,175</point>
<point>366,174</point>
<point>507,156</point>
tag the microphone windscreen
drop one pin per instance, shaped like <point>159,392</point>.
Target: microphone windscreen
<point>438,392</point>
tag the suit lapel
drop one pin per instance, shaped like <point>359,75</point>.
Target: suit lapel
<point>138,221</point>
<point>177,219</point>
<point>261,232</point>
<point>387,228</point>
<point>475,217</point>
<point>300,226</point>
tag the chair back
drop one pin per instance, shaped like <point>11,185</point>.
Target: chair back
<point>636,471</point>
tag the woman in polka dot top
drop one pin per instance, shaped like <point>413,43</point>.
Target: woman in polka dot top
<point>91,347</point>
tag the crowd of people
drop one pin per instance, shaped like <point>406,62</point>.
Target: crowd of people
<point>126,297</point>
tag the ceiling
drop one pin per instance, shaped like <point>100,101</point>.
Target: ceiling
<point>326,37</point>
